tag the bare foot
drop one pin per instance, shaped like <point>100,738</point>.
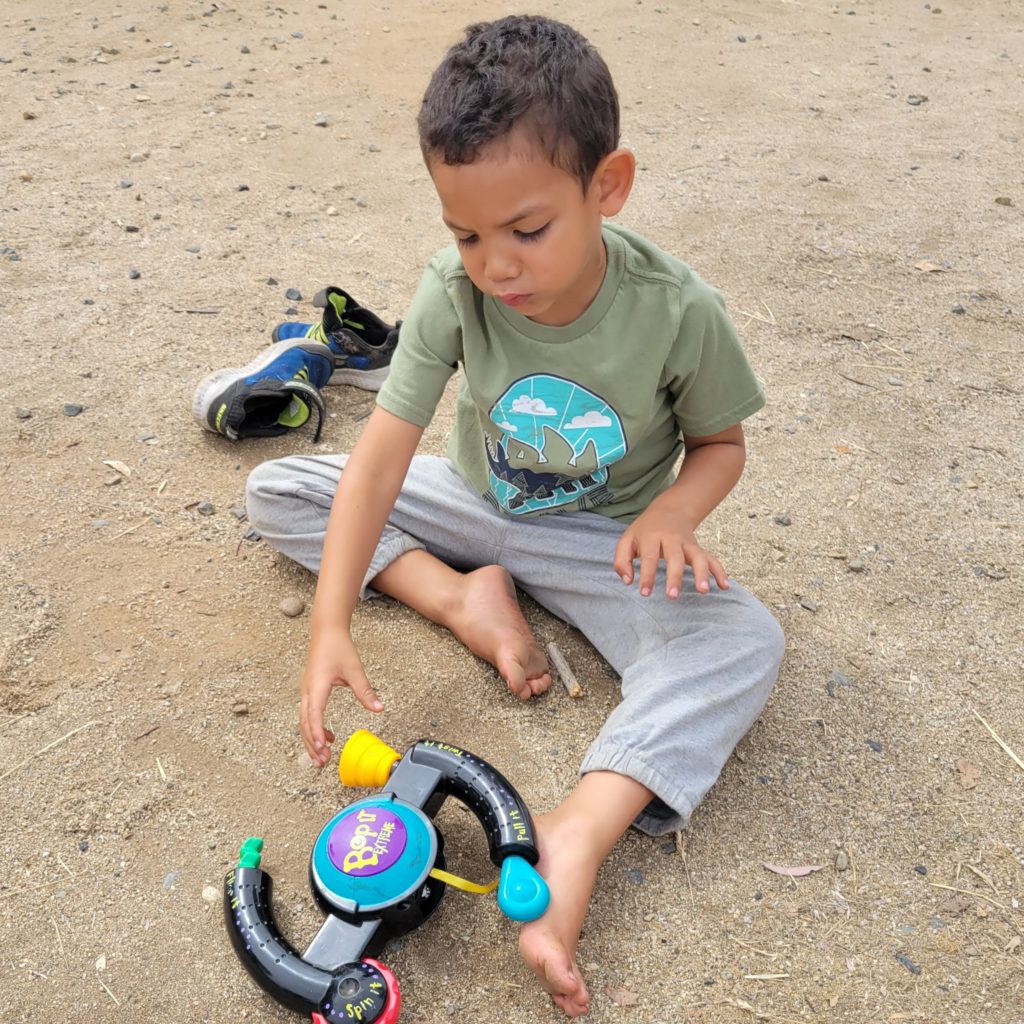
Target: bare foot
<point>484,614</point>
<point>569,862</point>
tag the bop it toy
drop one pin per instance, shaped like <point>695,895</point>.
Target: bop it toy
<point>377,871</point>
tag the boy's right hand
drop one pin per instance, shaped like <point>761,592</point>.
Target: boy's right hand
<point>332,661</point>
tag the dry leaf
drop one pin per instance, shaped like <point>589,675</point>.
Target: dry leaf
<point>928,267</point>
<point>620,997</point>
<point>792,872</point>
<point>843,449</point>
<point>969,773</point>
<point>118,467</point>
<point>1013,944</point>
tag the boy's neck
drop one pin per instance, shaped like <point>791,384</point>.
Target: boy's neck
<point>576,301</point>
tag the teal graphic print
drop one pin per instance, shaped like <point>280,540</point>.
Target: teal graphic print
<point>550,444</point>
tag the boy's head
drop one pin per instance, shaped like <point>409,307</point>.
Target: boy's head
<point>527,74</point>
<point>519,130</point>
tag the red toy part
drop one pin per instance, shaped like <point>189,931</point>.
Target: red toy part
<point>389,1015</point>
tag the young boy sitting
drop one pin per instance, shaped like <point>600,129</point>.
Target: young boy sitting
<point>591,360</point>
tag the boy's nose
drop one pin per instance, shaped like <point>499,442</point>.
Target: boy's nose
<point>500,269</point>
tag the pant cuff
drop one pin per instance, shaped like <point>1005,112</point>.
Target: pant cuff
<point>670,809</point>
<point>386,553</point>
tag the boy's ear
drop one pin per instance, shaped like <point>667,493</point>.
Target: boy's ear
<point>613,180</point>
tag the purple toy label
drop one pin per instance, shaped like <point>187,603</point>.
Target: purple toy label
<point>367,841</point>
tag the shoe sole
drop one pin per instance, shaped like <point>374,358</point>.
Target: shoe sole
<point>213,385</point>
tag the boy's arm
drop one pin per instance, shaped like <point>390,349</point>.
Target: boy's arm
<point>369,486</point>
<point>667,528</point>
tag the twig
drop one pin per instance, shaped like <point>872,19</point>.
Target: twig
<point>763,977</point>
<point>1017,760</point>
<point>762,952</point>
<point>142,735</point>
<point>566,674</point>
<point>968,892</point>
<point>982,876</point>
<point>132,529</point>
<point>32,888</point>
<point>163,774</point>
<point>60,941</point>
<point>853,380</point>
<point>109,993</point>
<point>43,750</point>
<point>208,311</point>
<point>11,721</point>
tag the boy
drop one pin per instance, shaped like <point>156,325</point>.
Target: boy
<point>591,360</point>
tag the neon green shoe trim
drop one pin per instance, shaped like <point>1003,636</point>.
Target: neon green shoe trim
<point>249,854</point>
<point>339,302</point>
<point>295,413</point>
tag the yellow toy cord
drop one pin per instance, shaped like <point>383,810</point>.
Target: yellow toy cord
<point>462,883</point>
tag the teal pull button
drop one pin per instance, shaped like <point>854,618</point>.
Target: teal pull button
<point>522,894</point>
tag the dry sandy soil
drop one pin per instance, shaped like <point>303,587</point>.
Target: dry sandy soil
<point>851,176</point>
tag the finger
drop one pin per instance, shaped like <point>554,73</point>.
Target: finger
<point>314,705</point>
<point>364,692</point>
<point>699,564</point>
<point>623,561</point>
<point>649,560</point>
<point>675,566</point>
<point>718,572</point>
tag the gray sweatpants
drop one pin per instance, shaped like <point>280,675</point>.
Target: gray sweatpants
<point>695,672</point>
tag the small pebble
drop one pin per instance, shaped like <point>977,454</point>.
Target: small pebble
<point>320,120</point>
<point>240,707</point>
<point>211,894</point>
<point>212,844</point>
<point>83,845</point>
<point>635,876</point>
<point>808,604</point>
<point>908,963</point>
<point>1004,200</point>
<point>293,295</point>
<point>205,508</point>
<point>292,606</point>
<point>170,878</point>
<point>855,565</point>
<point>374,148</point>
<point>192,248</point>
<point>291,311</point>
<point>361,202</point>
<point>238,513</point>
<point>137,158</point>
<point>332,211</point>
<point>245,49</point>
<point>874,745</point>
<point>958,309</point>
<point>242,188</point>
<point>99,524</point>
<point>842,861</point>
<point>24,176</point>
<point>132,229</point>
<point>146,437</point>
<point>28,115</point>
<point>272,281</point>
<point>920,869</point>
<point>22,414</point>
<point>915,100</point>
<point>134,274</point>
<point>125,183</point>
<point>782,520</point>
<point>73,409</point>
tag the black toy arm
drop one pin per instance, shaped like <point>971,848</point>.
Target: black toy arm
<point>486,792</point>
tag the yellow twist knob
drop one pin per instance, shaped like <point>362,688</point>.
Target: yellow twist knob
<point>365,760</point>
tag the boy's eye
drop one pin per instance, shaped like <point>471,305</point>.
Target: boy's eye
<point>532,236</point>
<point>463,242</point>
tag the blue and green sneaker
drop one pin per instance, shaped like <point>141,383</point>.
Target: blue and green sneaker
<point>275,393</point>
<point>361,342</point>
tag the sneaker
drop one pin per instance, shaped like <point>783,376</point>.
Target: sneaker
<point>275,393</point>
<point>362,343</point>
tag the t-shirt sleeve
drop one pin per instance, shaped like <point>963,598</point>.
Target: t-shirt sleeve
<point>712,384</point>
<point>428,353</point>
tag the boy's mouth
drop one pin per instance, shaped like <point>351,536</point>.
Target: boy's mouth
<point>512,299</point>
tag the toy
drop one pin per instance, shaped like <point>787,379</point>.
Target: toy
<point>377,871</point>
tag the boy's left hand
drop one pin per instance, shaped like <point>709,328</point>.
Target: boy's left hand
<point>659,534</point>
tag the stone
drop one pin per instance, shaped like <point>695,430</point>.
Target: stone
<point>293,295</point>
<point>292,606</point>
<point>240,708</point>
<point>73,409</point>
<point>205,508</point>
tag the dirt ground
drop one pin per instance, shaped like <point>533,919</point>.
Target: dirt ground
<point>851,176</point>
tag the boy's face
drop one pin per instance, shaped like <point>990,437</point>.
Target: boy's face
<point>527,232</point>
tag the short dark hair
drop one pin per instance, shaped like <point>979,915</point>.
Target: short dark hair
<point>522,71</point>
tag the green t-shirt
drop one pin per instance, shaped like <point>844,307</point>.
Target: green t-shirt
<point>586,416</point>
